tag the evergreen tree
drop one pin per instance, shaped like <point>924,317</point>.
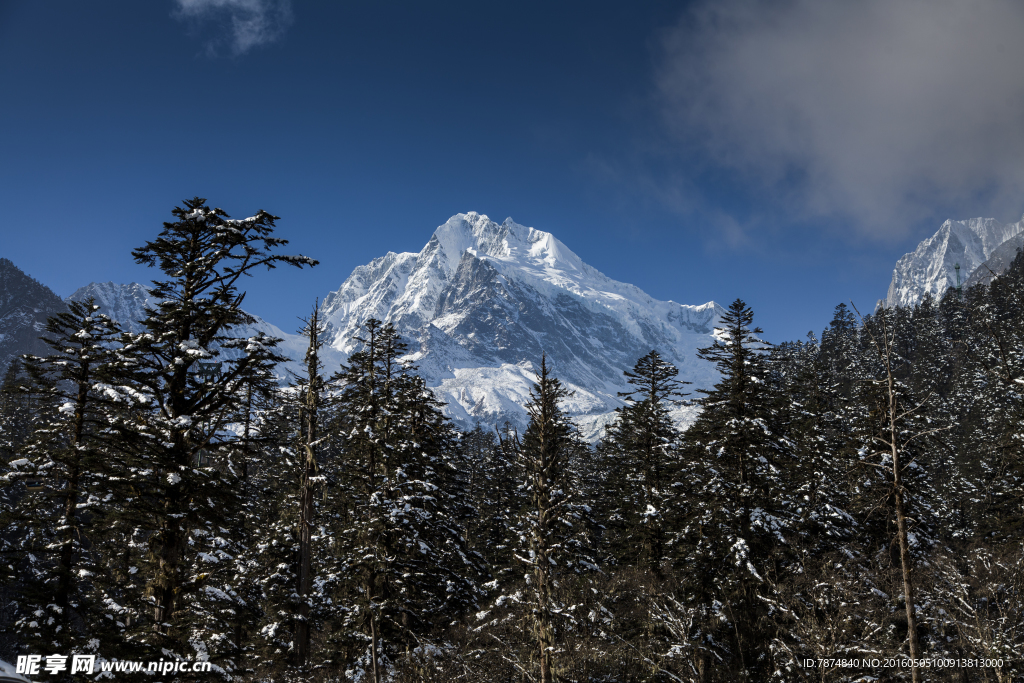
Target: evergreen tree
<point>812,419</point>
<point>898,420</point>
<point>15,411</point>
<point>553,526</point>
<point>733,543</point>
<point>310,409</point>
<point>996,459</point>
<point>181,496</point>
<point>297,544</point>
<point>491,489</point>
<point>642,449</point>
<point>62,466</point>
<point>401,549</point>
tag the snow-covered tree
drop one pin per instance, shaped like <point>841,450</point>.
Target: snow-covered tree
<point>640,452</point>
<point>738,505</point>
<point>553,546</point>
<point>184,492</point>
<point>401,551</point>
<point>67,485</point>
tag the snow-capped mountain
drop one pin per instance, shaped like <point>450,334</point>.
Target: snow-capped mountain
<point>481,303</point>
<point>931,267</point>
<point>24,307</point>
<point>126,303</point>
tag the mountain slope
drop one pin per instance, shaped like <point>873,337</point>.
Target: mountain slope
<point>126,303</point>
<point>931,266</point>
<point>997,262</point>
<point>482,302</point>
<point>24,307</point>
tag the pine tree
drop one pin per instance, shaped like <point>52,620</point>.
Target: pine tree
<point>898,421</point>
<point>310,400</point>
<point>15,411</point>
<point>489,481</point>
<point>642,447</point>
<point>401,548</point>
<point>996,459</point>
<point>553,526</point>
<point>184,495</point>
<point>63,466</point>
<point>739,505</point>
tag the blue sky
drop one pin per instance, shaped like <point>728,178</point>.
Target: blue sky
<point>786,153</point>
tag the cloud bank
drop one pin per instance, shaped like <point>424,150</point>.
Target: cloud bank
<point>249,23</point>
<point>876,112</point>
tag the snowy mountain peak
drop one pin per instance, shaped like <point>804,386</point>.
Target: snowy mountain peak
<point>508,241</point>
<point>124,303</point>
<point>482,301</point>
<point>931,267</point>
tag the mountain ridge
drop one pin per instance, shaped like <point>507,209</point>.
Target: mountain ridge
<point>25,304</point>
<point>479,306</point>
<point>931,266</point>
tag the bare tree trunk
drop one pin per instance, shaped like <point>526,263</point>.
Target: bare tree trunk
<point>901,529</point>
<point>308,418</point>
<point>885,352</point>
<point>246,435</point>
<point>171,538</point>
<point>545,631</point>
<point>69,521</point>
<point>373,647</point>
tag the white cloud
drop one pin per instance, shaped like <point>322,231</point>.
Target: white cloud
<point>250,23</point>
<point>876,111</point>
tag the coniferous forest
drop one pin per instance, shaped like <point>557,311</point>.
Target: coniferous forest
<point>850,497</point>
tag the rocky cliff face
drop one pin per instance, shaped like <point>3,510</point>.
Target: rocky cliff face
<point>124,303</point>
<point>932,266</point>
<point>482,302</point>
<point>998,262</point>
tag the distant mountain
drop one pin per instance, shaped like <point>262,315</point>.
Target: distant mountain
<point>932,266</point>
<point>126,303</point>
<point>25,304</point>
<point>997,262</point>
<point>482,302</point>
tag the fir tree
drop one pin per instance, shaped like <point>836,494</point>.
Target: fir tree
<point>184,494</point>
<point>897,424</point>
<point>68,485</point>
<point>553,526</point>
<point>310,409</point>
<point>402,550</point>
<point>642,445</point>
<point>739,507</point>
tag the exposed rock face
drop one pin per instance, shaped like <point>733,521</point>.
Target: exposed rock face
<point>482,302</point>
<point>124,303</point>
<point>24,307</point>
<point>998,262</point>
<point>932,266</point>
